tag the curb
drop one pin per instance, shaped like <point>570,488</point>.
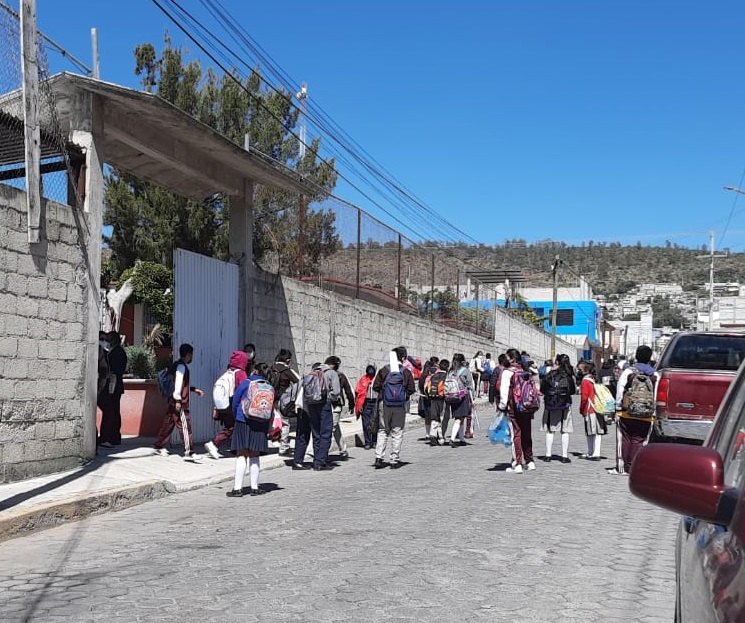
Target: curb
<point>50,515</point>
<point>79,507</point>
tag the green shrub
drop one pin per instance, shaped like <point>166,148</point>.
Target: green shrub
<point>140,362</point>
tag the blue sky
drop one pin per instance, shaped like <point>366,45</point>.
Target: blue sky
<point>574,120</point>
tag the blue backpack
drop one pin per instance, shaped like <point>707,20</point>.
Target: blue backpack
<point>394,394</point>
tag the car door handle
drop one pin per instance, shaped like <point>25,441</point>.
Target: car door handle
<point>685,405</point>
<point>689,524</point>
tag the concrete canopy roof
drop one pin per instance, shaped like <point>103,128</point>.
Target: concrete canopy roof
<point>152,139</point>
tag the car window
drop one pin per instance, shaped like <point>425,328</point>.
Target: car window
<point>705,352</point>
<point>729,438</point>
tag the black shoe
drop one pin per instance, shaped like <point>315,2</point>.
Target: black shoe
<point>323,468</point>
<point>343,456</point>
<point>235,493</point>
<point>566,459</point>
<point>453,444</point>
<point>367,446</point>
<point>396,465</point>
<point>547,459</point>
<point>593,458</point>
<point>463,443</point>
<point>299,467</point>
<point>379,463</point>
<point>433,441</point>
<point>259,491</point>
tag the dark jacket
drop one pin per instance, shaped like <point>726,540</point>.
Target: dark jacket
<point>117,366</point>
<point>284,377</point>
<point>346,390</point>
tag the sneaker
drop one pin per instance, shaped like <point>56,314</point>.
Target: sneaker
<point>343,455</point>
<point>193,457</point>
<point>530,466</point>
<point>212,450</point>
<point>285,452</point>
<point>518,469</point>
<point>367,446</point>
<point>161,451</point>
<point>300,467</point>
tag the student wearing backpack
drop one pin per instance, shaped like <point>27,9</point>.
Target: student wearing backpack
<point>321,414</point>
<point>435,389</point>
<point>338,405</point>
<point>489,365</point>
<point>557,387</point>
<point>237,368</point>
<point>178,414</point>
<point>595,426</point>
<point>395,385</point>
<point>365,406</point>
<point>515,377</point>
<point>460,408</point>
<point>249,439</point>
<point>281,376</point>
<point>477,368</point>
<point>425,401</point>
<point>635,402</point>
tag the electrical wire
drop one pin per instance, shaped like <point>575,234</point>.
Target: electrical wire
<point>209,41</point>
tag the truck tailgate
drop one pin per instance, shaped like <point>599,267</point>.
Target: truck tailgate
<point>692,395</point>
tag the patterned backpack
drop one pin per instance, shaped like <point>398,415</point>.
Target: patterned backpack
<point>258,403</point>
<point>524,394</point>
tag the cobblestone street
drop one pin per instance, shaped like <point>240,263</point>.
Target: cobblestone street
<point>449,537</point>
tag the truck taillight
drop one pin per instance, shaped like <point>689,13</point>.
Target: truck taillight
<point>662,388</point>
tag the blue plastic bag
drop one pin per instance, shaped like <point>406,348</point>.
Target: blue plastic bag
<point>499,430</point>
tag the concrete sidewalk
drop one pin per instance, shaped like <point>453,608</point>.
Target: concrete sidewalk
<point>121,477</point>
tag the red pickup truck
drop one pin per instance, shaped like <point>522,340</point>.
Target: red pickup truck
<point>693,374</point>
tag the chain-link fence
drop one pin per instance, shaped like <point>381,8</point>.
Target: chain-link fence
<point>372,261</point>
<point>55,157</point>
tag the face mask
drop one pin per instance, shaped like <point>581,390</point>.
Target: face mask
<point>103,344</point>
<point>250,354</point>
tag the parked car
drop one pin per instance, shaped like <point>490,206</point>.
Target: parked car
<point>693,373</point>
<point>705,484</point>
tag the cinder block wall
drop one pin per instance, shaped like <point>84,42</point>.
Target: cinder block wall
<point>42,341</point>
<point>314,323</point>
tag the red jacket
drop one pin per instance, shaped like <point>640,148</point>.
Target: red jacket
<point>360,393</point>
<point>587,389</point>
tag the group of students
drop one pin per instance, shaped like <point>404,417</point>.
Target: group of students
<point>632,406</point>
<point>259,400</point>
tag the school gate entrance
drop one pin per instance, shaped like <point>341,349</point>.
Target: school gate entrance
<point>205,315</point>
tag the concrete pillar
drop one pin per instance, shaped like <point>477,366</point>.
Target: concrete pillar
<point>86,128</point>
<point>240,244</point>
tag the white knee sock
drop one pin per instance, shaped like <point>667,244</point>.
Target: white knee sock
<point>454,432</point>
<point>596,446</point>
<point>254,467</point>
<point>564,444</point>
<point>240,470</point>
<point>549,443</point>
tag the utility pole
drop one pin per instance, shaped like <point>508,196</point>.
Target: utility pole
<point>711,257</point>
<point>555,274</point>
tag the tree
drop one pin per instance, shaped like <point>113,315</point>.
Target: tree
<point>149,222</point>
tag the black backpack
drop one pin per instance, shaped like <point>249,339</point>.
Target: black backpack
<point>557,394</point>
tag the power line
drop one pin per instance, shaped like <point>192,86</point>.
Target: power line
<point>209,40</point>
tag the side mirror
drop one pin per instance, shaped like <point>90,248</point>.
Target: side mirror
<point>685,479</point>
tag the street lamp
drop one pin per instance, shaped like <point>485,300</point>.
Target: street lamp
<point>734,189</point>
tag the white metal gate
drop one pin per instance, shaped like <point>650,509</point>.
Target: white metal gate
<point>205,316</point>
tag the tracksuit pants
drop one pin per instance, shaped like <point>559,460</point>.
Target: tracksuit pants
<point>181,421</point>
